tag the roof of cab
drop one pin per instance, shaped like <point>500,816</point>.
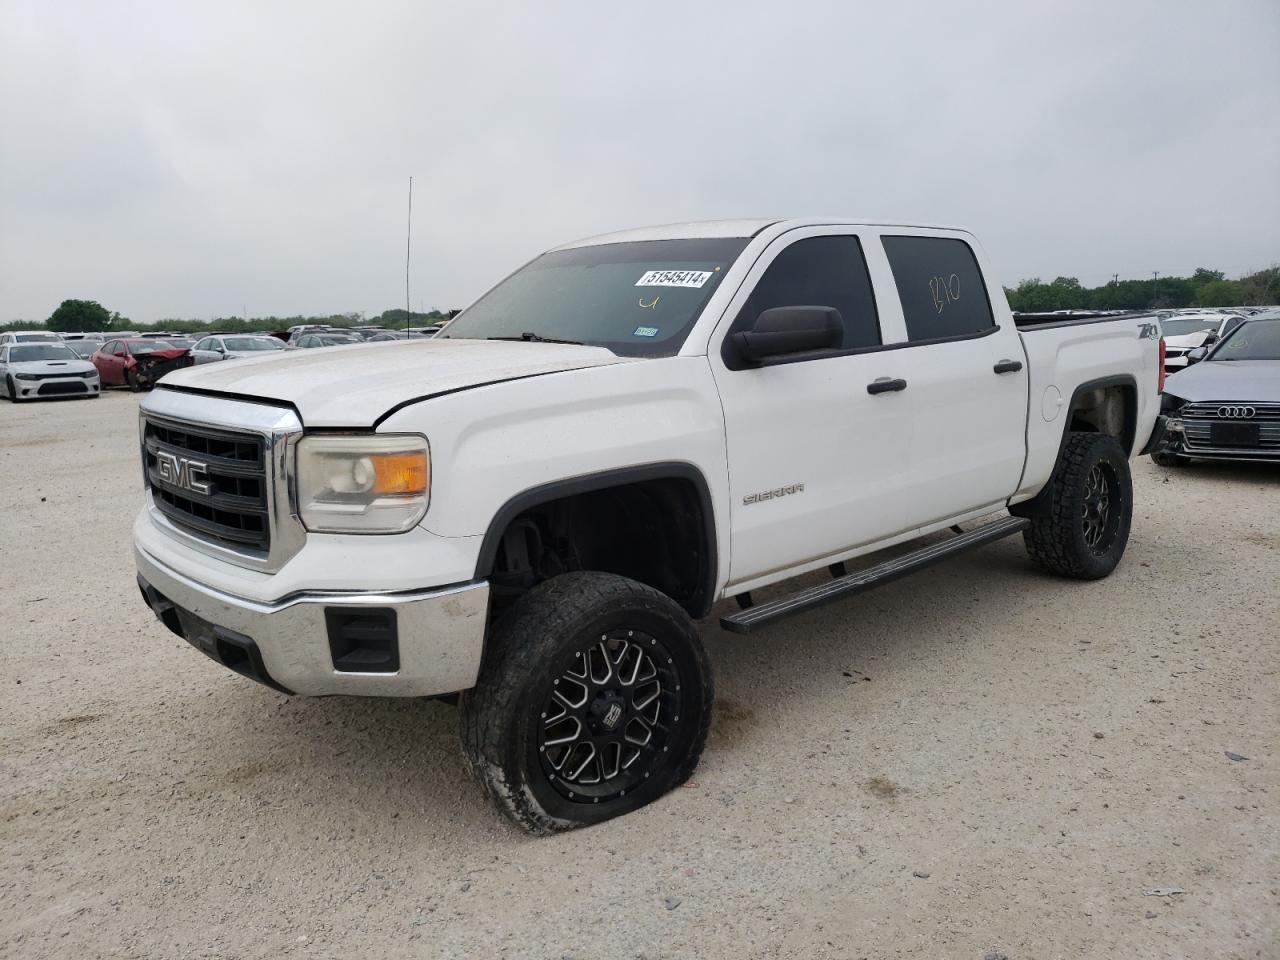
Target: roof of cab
<point>711,229</point>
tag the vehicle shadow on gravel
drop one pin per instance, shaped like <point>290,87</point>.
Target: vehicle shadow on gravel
<point>389,762</point>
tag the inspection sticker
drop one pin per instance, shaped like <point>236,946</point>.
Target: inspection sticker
<point>674,278</point>
<point>645,332</point>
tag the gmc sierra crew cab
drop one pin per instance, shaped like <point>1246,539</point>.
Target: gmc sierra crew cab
<point>532,509</point>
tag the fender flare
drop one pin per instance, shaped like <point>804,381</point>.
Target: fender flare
<point>622,476</point>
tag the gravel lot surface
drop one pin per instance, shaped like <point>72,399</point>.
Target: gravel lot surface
<point>981,761</point>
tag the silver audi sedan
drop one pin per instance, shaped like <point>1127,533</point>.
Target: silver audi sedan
<point>230,346</point>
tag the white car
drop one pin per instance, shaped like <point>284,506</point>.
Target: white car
<point>533,507</point>
<point>29,336</point>
<point>1184,332</point>
<point>230,346</point>
<point>32,370</point>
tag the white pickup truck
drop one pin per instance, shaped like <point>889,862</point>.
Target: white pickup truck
<point>533,508</point>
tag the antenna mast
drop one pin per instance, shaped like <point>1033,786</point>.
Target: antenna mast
<point>408,236</point>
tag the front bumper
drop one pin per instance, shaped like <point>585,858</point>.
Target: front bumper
<point>54,387</point>
<point>291,644</point>
<point>1169,437</point>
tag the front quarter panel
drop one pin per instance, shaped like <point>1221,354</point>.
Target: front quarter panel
<point>490,444</point>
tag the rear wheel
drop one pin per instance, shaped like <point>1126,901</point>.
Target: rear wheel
<point>1084,531</point>
<point>593,700</point>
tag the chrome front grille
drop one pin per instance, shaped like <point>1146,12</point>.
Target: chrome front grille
<point>228,500</point>
<point>219,475</point>
<point>1199,420</point>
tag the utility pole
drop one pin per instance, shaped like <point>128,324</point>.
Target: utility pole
<point>1115,278</point>
<point>1155,287</point>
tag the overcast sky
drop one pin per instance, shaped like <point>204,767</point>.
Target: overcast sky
<point>195,160</point>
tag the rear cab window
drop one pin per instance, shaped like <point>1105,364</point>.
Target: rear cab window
<point>940,286</point>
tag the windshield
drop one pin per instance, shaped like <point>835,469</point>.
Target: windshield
<point>1179,327</point>
<point>40,351</point>
<point>140,347</point>
<point>245,344</point>
<point>1255,340</point>
<point>84,348</point>
<point>637,299</point>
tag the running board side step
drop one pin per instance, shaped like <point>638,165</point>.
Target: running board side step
<point>752,618</point>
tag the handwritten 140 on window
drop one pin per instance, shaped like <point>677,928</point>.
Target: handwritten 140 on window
<point>944,290</point>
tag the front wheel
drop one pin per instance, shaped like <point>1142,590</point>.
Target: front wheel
<point>1084,530</point>
<point>12,389</point>
<point>131,379</point>
<point>594,699</point>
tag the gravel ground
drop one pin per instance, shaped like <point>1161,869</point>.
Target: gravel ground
<point>978,762</point>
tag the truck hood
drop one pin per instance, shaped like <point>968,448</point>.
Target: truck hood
<point>352,386</point>
<point>1235,381</point>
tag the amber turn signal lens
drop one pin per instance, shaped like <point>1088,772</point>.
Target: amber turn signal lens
<point>400,474</point>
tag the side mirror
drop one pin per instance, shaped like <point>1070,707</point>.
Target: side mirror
<point>785,330</point>
<point>1196,354</point>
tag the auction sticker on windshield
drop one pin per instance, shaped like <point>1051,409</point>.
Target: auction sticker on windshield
<point>674,278</point>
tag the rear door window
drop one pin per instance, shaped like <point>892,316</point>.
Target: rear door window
<point>940,286</point>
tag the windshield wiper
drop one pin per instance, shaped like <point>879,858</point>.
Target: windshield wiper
<point>528,337</point>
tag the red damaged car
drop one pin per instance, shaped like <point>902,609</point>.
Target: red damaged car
<point>137,363</point>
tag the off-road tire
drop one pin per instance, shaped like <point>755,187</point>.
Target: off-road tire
<point>1164,458</point>
<point>1057,537</point>
<point>504,717</point>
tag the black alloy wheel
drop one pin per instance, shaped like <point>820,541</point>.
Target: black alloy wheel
<point>594,699</point>
<point>608,717</point>
<point>1100,522</point>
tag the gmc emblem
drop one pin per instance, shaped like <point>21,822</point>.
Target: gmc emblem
<point>183,473</point>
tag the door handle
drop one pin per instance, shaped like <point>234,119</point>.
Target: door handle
<point>1008,366</point>
<point>886,385</point>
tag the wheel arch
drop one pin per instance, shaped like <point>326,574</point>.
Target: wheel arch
<point>698,596</point>
<point>1106,405</point>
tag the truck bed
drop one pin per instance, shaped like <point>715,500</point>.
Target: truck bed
<point>1044,321</point>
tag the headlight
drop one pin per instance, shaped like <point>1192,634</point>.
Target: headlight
<point>25,376</point>
<point>379,483</point>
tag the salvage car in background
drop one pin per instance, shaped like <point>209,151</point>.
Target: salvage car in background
<point>1226,406</point>
<point>29,336</point>
<point>137,363</point>
<point>230,347</point>
<point>31,370</point>
<point>1184,332</point>
<point>84,349</point>
<point>312,340</point>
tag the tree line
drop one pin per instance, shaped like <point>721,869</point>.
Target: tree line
<point>81,316</point>
<point>1204,288</point>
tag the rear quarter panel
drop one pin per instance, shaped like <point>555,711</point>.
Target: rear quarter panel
<point>1063,358</point>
